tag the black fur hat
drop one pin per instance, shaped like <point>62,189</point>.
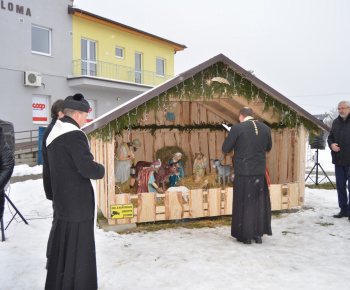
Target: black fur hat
<point>77,102</point>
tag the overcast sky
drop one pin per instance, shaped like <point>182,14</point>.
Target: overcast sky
<point>301,48</point>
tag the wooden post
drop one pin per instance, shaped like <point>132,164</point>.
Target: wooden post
<point>174,208</point>
<point>214,202</point>
<point>301,164</point>
<point>293,195</point>
<point>276,196</point>
<point>228,201</point>
<point>196,203</point>
<point>146,208</point>
<point>283,157</point>
<point>109,169</point>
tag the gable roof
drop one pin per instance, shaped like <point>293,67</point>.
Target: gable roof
<point>322,116</point>
<point>117,25</point>
<point>224,112</point>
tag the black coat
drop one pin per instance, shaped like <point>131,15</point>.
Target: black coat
<point>71,167</point>
<point>46,171</point>
<point>340,134</point>
<point>249,149</point>
<point>6,168</point>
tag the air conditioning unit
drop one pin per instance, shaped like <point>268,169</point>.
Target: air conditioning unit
<point>32,79</point>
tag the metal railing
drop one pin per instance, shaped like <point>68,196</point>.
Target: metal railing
<point>117,72</point>
<point>28,141</point>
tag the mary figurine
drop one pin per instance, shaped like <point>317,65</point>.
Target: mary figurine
<point>174,179</point>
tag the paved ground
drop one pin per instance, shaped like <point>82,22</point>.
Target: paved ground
<point>24,178</point>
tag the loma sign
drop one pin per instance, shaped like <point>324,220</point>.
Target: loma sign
<point>15,8</point>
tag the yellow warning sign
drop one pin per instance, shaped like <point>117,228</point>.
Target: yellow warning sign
<point>122,211</point>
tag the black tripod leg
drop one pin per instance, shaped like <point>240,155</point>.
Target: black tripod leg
<point>327,176</point>
<point>310,172</point>
<point>9,200</point>
<point>2,230</point>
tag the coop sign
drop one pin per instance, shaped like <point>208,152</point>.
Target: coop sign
<point>122,211</point>
<point>91,113</point>
<point>40,109</point>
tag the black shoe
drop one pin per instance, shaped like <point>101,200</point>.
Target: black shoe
<point>258,240</point>
<point>341,214</point>
<point>245,241</point>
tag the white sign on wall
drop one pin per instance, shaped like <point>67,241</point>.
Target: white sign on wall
<point>40,109</point>
<point>92,111</point>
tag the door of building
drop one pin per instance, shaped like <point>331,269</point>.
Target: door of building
<point>138,68</point>
<point>88,57</point>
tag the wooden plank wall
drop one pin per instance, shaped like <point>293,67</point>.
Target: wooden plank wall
<point>185,113</point>
<point>207,142</point>
<point>286,161</point>
<point>105,188</point>
<point>282,160</point>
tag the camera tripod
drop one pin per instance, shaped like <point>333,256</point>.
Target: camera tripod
<point>316,166</point>
<point>17,212</point>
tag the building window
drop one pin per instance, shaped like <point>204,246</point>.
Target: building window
<point>160,67</point>
<point>119,52</point>
<point>40,109</point>
<point>41,40</point>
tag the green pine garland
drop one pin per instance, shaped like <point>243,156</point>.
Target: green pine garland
<point>187,128</point>
<point>197,87</point>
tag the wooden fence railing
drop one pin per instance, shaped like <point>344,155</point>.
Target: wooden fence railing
<point>28,140</point>
<point>150,207</point>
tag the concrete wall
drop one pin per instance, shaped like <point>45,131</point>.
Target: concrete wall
<point>16,57</point>
<point>27,157</point>
<point>107,38</point>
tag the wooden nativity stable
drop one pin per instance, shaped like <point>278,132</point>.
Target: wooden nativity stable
<point>188,111</point>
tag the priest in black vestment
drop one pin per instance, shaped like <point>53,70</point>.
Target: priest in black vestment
<point>251,212</point>
<point>72,262</point>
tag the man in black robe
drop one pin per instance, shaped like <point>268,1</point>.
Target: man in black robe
<point>72,263</point>
<point>251,212</point>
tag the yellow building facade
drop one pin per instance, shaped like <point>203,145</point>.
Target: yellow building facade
<point>107,49</point>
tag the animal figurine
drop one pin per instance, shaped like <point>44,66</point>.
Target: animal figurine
<point>223,170</point>
<point>164,171</point>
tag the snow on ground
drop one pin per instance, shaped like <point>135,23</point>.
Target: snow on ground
<point>309,249</point>
<point>24,169</point>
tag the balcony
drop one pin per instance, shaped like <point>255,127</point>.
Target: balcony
<point>113,71</point>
